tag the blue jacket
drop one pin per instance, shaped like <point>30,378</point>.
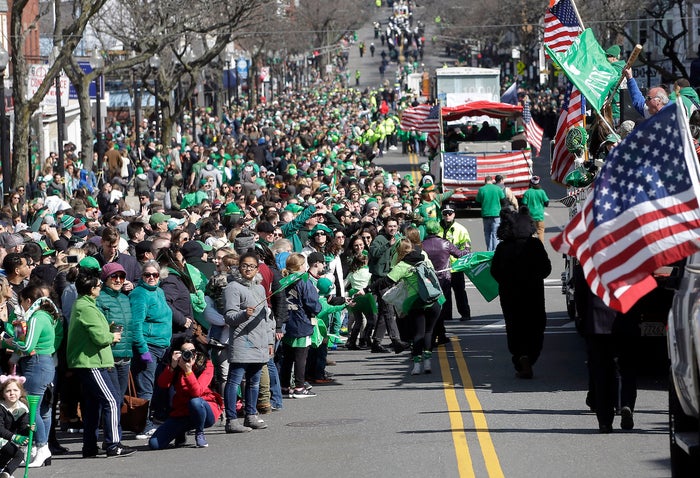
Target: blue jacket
<point>152,318</point>
<point>303,303</point>
<point>116,308</point>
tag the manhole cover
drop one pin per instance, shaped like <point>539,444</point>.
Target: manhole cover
<point>331,422</point>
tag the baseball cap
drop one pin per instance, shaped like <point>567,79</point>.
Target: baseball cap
<point>265,226</point>
<point>158,217</point>
<point>192,249</point>
<point>110,268</point>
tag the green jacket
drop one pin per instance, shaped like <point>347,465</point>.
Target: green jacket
<point>380,252</point>
<point>41,335</point>
<point>291,229</point>
<point>89,338</point>
<point>116,308</point>
<point>152,318</point>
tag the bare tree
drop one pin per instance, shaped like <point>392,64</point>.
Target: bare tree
<point>66,38</point>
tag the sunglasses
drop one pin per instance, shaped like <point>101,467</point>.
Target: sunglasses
<point>118,276</point>
<point>150,275</point>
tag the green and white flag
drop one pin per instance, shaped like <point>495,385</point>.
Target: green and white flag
<point>587,66</point>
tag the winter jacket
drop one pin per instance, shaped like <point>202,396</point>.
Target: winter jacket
<point>151,316</point>
<point>117,309</point>
<point>188,387</point>
<point>249,337</point>
<point>13,424</point>
<point>89,338</point>
<point>380,256</point>
<point>178,298</point>
<point>439,250</point>
<point>302,305</point>
<point>290,229</point>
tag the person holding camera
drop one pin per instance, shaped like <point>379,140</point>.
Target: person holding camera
<point>194,405</point>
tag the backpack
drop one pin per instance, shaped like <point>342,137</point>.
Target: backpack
<point>429,289</point>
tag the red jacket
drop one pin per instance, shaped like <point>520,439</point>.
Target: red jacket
<point>188,387</point>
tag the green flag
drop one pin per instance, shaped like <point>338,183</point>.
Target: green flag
<point>477,266</point>
<point>291,279</point>
<point>587,66</point>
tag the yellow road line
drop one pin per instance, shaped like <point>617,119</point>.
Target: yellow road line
<point>459,438</point>
<point>413,160</point>
<point>493,466</point>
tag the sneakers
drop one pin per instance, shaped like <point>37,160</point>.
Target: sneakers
<point>427,368</point>
<point>254,422</point>
<point>5,474</point>
<point>146,434</point>
<point>200,440</point>
<point>302,393</point>
<point>233,426</point>
<point>416,365</point>
<point>120,450</point>
<point>627,418</point>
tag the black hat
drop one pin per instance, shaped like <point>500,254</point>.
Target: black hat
<point>315,257</point>
<point>192,249</point>
<point>265,227</point>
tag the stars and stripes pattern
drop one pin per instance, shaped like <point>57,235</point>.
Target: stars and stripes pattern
<point>642,213</point>
<point>561,26</point>
<point>533,132</point>
<point>433,141</point>
<point>572,114</point>
<point>425,118</point>
<point>460,170</point>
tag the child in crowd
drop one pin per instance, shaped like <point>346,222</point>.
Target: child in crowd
<point>14,423</point>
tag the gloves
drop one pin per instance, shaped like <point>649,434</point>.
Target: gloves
<point>146,357</point>
<point>20,440</point>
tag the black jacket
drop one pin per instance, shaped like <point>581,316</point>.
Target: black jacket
<point>9,426</point>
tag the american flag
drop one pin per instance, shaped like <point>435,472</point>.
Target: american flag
<point>572,114</point>
<point>424,118</point>
<point>561,26</point>
<point>459,167</point>
<point>433,140</point>
<point>642,212</point>
<point>533,132</point>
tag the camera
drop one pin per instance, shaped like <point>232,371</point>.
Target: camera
<point>187,355</point>
<point>72,259</point>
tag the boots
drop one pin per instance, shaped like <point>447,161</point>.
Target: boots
<point>43,457</point>
<point>427,367</point>
<point>416,365</point>
<point>378,348</point>
<point>398,345</point>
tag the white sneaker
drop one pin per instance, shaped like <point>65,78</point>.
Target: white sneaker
<point>427,368</point>
<point>146,434</point>
<point>416,368</point>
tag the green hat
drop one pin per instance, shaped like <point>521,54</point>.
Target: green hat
<point>92,201</point>
<point>90,263</point>
<point>336,207</point>
<point>613,51</point>
<point>205,247</point>
<point>295,208</point>
<point>158,217</point>
<point>45,249</point>
<point>432,227</point>
<point>324,285</point>
<point>67,221</point>
<point>321,228</point>
<point>323,188</point>
<point>328,170</point>
<point>139,170</point>
<point>292,170</point>
<point>520,129</point>
<point>612,138</point>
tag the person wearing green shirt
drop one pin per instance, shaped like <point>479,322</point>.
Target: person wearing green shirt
<point>35,340</point>
<point>490,197</point>
<point>536,200</point>
<point>430,208</point>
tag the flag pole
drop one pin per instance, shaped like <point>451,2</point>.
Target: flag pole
<point>633,57</point>
<point>578,15</point>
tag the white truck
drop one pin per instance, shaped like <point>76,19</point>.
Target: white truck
<point>471,96</point>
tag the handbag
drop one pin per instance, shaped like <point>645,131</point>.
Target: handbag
<point>134,409</point>
<point>397,296</point>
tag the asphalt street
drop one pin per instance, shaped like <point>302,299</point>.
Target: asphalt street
<point>470,418</point>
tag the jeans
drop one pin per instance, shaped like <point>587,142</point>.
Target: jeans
<point>40,372</point>
<point>490,227</point>
<point>145,375</point>
<point>120,375</point>
<point>275,387</point>
<point>236,371</point>
<point>386,321</point>
<point>100,400</point>
<point>201,416</point>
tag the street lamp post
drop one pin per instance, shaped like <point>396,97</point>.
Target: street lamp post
<point>60,115</point>
<point>97,63</point>
<point>155,64</point>
<point>4,130</point>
